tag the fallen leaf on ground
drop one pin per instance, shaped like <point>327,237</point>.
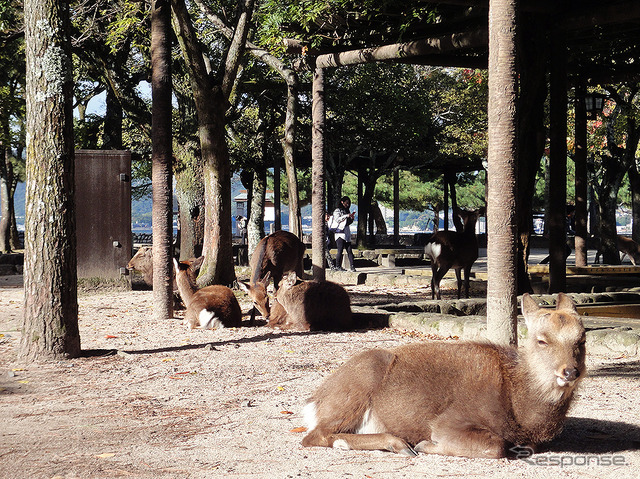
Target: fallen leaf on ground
<point>286,412</point>
<point>110,336</point>
<point>299,429</point>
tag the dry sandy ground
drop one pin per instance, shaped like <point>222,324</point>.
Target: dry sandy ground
<point>174,403</point>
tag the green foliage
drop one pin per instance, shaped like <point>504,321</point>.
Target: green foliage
<point>343,23</point>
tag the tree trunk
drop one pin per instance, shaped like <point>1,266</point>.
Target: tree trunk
<point>211,104</point>
<point>255,225</point>
<point>162,210</point>
<point>190,195</point>
<point>50,323</point>
<point>318,245</point>
<point>113,122</point>
<point>634,180</point>
<point>501,219</point>
<point>6,173</point>
<point>295,217</point>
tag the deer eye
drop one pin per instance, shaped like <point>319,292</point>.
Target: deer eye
<point>542,342</point>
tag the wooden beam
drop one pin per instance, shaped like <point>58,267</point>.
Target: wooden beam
<point>429,46</point>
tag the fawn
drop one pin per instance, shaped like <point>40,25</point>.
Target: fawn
<point>470,399</point>
<point>211,307</point>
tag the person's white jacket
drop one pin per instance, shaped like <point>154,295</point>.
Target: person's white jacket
<point>342,220</point>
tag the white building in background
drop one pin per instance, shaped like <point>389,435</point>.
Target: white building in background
<point>240,208</point>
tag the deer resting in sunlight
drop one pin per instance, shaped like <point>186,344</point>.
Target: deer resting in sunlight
<point>211,307</point>
<point>470,399</point>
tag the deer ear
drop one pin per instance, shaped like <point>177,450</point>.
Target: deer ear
<point>244,286</point>
<point>565,302</point>
<point>265,278</point>
<point>197,263</point>
<point>175,265</point>
<point>529,309</point>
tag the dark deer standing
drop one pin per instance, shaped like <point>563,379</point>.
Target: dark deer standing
<point>457,399</point>
<point>627,247</point>
<point>276,254</point>
<point>211,307</point>
<point>451,249</point>
<point>310,306</point>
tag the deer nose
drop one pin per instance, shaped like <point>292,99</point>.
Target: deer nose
<point>570,374</point>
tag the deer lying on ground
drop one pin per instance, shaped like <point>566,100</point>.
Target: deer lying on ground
<point>142,261</point>
<point>450,249</point>
<point>627,247</point>
<point>276,254</point>
<point>310,306</point>
<point>211,307</point>
<point>457,399</point>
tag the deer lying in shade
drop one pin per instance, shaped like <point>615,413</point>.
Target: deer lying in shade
<point>211,307</point>
<point>469,399</point>
<point>450,249</point>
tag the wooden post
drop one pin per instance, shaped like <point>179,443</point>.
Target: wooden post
<point>502,174</point>
<point>396,206</point>
<point>318,244</point>
<point>580,159</point>
<point>558,164</point>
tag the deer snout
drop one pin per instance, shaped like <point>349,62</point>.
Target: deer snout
<point>567,376</point>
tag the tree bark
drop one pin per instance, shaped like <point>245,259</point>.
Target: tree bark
<point>318,245</point>
<point>501,208</point>
<point>211,104</point>
<point>162,210</point>
<point>50,323</point>
<point>255,225</point>
<point>288,142</point>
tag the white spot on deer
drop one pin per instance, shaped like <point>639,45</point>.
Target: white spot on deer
<point>341,444</point>
<point>209,320</point>
<point>309,413</point>
<point>370,424</point>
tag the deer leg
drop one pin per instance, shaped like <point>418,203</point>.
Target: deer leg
<point>459,280</point>
<point>467,274</point>
<point>465,442</point>
<point>437,277</point>
<point>360,442</point>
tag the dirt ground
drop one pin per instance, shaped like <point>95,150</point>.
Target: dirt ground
<point>175,403</point>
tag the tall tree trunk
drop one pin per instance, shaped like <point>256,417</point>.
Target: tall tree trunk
<point>6,173</point>
<point>288,143</point>
<point>634,180</point>
<point>501,219</point>
<point>318,232</point>
<point>211,103</point>
<point>161,157</point>
<point>50,323</point>
<point>190,195</point>
<point>255,225</point>
<point>580,157</point>
<point>113,122</point>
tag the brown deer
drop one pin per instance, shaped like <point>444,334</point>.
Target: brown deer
<point>452,249</point>
<point>211,307</point>
<point>310,306</point>
<point>142,261</point>
<point>276,254</point>
<point>627,247</point>
<point>470,399</point>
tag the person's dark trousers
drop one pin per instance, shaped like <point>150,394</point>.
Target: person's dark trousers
<point>342,245</point>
